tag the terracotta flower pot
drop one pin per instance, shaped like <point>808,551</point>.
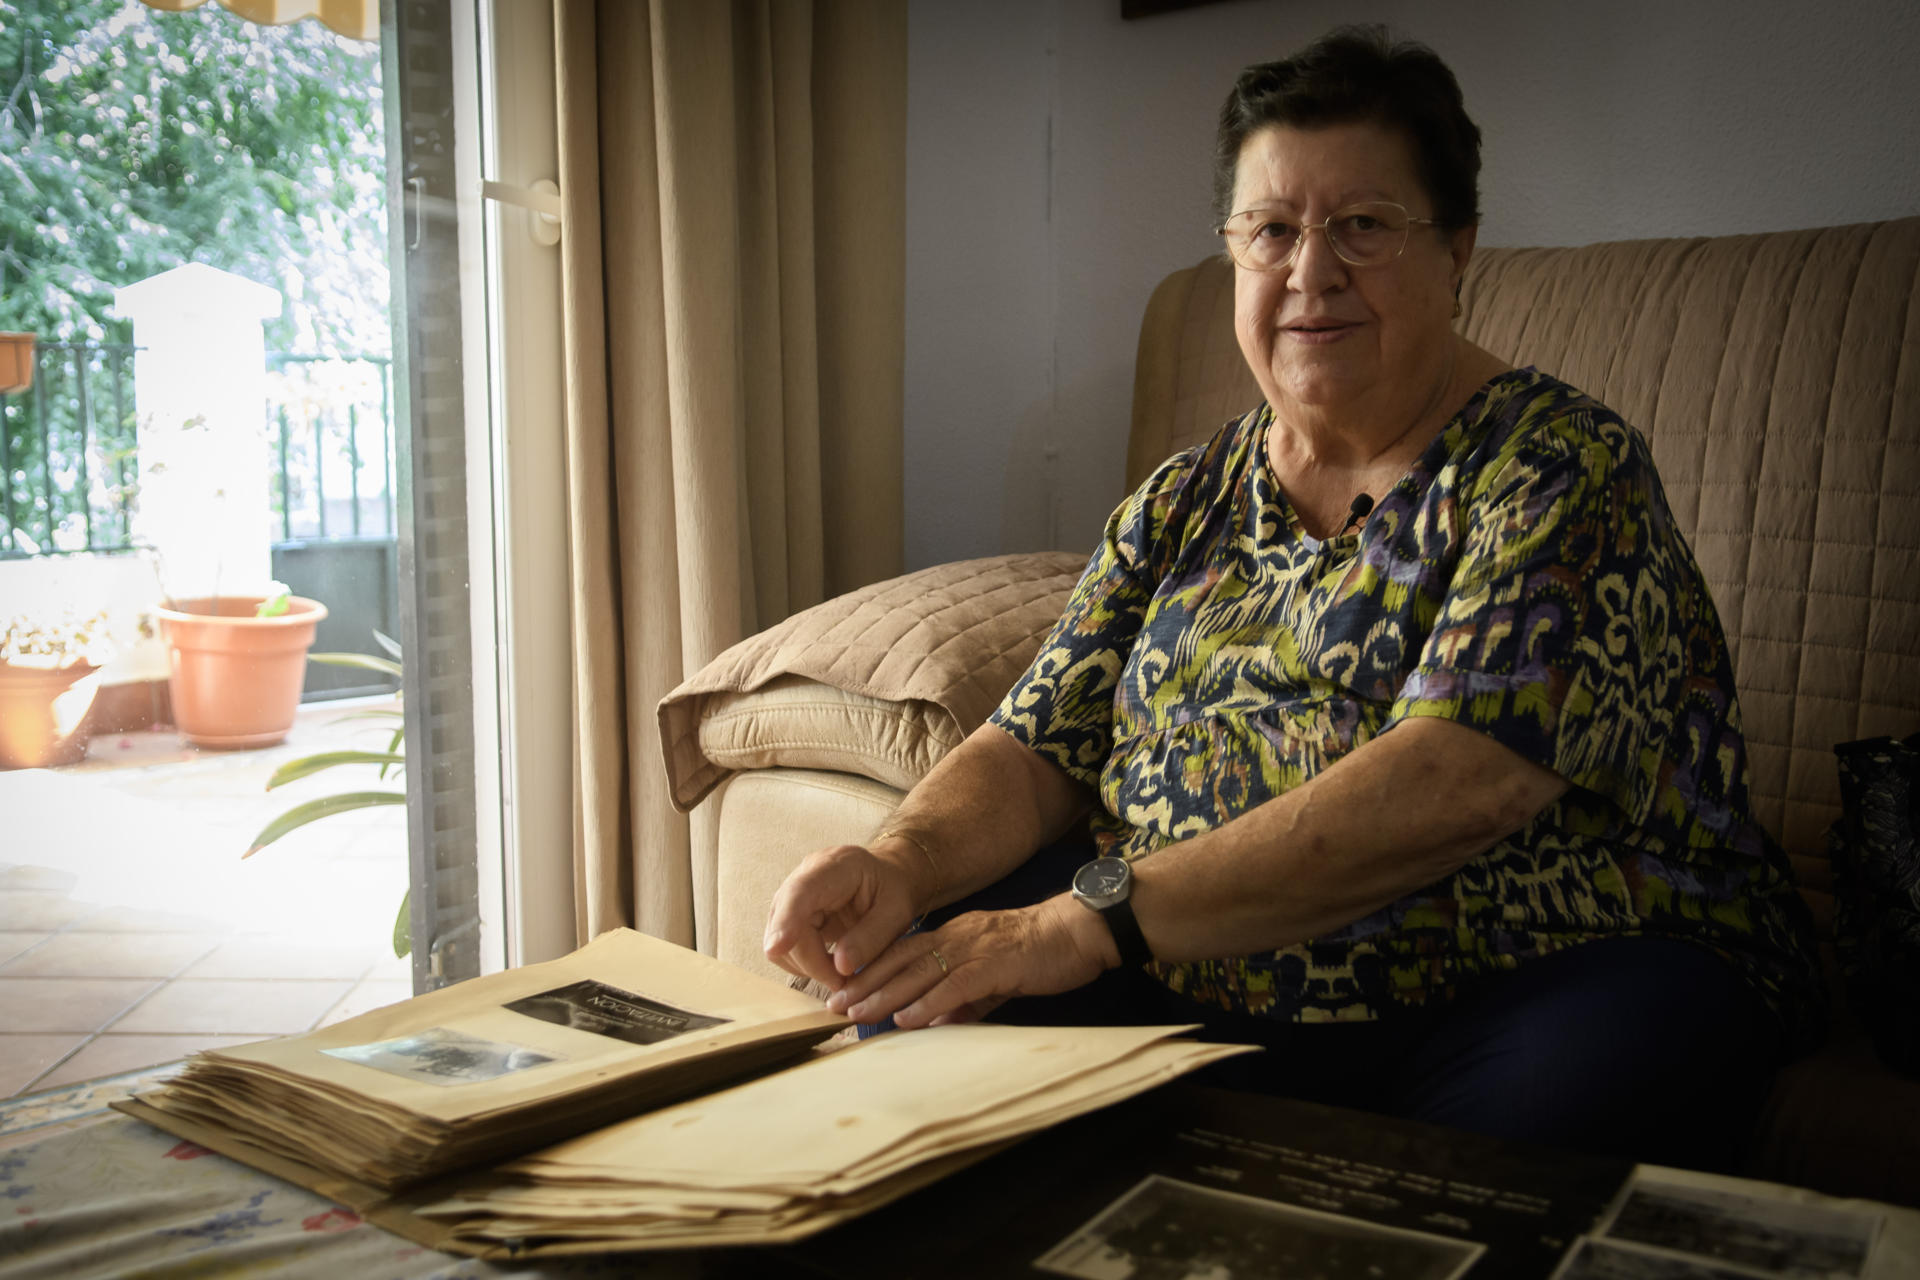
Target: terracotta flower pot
<point>34,733</point>
<point>236,678</point>
<point>16,361</point>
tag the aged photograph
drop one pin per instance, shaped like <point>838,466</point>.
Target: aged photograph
<point>443,1057</point>
<point>1778,1237</point>
<point>1165,1229</point>
<point>608,1011</point>
<point>1596,1259</point>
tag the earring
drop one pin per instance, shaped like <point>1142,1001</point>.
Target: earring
<point>1458,310</point>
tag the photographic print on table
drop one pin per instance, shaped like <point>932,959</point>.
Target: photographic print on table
<point>442,1057</point>
<point>608,1011</point>
<point>1764,1234</point>
<point>1166,1229</point>
<point>1592,1259</point>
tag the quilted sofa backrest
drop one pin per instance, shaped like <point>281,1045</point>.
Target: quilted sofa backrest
<point>1778,378</point>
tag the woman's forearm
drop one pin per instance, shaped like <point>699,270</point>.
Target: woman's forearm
<point>1403,811</point>
<point>978,814</point>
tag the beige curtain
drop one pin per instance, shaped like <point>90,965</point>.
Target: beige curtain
<point>733,192</point>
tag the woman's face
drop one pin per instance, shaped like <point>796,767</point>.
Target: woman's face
<point>1321,335</point>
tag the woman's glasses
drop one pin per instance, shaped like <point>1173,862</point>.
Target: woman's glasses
<point>1363,235</point>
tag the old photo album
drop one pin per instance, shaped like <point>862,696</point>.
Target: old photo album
<point>583,1105</point>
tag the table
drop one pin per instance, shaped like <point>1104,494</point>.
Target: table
<point>85,1191</point>
<point>1304,1191</point>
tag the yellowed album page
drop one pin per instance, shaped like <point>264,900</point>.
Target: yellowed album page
<point>623,1003</point>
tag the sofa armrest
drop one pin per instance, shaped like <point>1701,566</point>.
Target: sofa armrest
<point>880,682</point>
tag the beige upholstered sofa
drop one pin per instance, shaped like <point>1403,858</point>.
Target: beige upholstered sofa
<point>1778,377</point>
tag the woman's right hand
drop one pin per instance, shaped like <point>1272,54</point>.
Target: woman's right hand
<point>842,906</point>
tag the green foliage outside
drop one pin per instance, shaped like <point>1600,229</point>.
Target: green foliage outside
<point>134,141</point>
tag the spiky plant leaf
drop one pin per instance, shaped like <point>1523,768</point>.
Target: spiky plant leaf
<point>403,926</point>
<point>399,757</point>
<point>365,661</point>
<point>306,766</point>
<point>314,810</point>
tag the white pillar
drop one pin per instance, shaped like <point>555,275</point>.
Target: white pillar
<point>199,383</point>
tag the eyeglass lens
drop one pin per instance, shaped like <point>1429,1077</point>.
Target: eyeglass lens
<point>1362,234</point>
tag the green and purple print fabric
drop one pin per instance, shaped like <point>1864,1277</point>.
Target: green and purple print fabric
<point>1525,579</point>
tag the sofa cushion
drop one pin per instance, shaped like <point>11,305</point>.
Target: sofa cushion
<point>801,723</point>
<point>881,682</point>
<point>1774,376</point>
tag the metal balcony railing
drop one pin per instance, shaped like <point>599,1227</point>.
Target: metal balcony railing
<point>70,470</point>
<point>331,431</point>
<point>68,474</point>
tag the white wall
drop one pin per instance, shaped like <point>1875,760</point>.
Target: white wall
<point>1057,168</point>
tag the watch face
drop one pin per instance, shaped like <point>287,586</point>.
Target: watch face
<point>1102,879</point>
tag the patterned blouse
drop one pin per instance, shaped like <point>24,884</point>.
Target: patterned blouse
<point>1524,578</point>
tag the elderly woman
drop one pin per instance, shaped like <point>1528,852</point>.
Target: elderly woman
<point>1398,712</point>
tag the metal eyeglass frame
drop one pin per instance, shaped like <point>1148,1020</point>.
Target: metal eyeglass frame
<point>1325,227</point>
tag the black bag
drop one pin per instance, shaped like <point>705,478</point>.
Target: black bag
<point>1876,887</point>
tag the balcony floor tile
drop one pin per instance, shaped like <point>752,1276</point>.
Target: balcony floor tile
<point>259,1007</point>
<point>113,1053</point>
<point>67,1004</point>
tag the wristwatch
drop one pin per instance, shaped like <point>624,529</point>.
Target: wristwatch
<point>1105,885</point>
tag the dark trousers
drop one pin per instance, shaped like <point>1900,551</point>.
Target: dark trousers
<point>1645,1047</point>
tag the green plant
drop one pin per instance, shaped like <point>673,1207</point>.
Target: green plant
<point>393,759</point>
<point>279,600</point>
<point>132,141</point>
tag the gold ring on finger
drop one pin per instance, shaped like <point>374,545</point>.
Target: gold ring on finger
<point>940,960</point>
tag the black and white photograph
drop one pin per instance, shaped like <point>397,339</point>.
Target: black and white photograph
<point>1775,1237</point>
<point>608,1011</point>
<point>1166,1229</point>
<point>1595,1259</point>
<point>442,1057</point>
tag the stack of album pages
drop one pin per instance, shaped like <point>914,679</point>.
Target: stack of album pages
<point>501,1064</point>
<point>793,1153</point>
<point>567,1061</point>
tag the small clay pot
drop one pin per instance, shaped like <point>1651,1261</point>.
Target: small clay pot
<point>33,733</point>
<point>236,679</point>
<point>16,362</point>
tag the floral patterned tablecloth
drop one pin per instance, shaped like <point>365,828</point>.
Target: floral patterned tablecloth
<point>86,1192</point>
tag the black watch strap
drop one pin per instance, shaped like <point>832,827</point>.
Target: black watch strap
<point>1134,951</point>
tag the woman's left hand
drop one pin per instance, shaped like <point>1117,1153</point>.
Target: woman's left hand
<point>963,970</point>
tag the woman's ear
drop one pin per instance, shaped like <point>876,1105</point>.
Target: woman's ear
<point>1460,246</point>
